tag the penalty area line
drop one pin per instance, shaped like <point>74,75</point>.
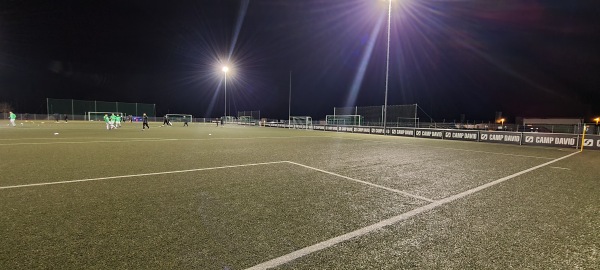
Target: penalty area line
<point>364,182</point>
<point>138,175</point>
<point>393,220</point>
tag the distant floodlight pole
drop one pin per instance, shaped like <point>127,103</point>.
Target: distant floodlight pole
<point>387,68</point>
<point>290,103</point>
<point>225,69</point>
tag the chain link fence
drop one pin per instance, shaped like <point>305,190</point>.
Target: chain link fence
<point>396,115</point>
<point>74,107</point>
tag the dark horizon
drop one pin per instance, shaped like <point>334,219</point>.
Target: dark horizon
<point>524,58</point>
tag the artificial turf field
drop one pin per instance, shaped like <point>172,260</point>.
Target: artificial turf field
<point>239,197</point>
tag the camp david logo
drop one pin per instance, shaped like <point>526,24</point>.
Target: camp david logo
<point>484,136</point>
<point>588,142</point>
<point>528,139</point>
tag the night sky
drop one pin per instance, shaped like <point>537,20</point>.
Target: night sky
<point>531,58</point>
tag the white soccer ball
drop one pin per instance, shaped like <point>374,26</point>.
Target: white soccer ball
<point>209,134</point>
<point>55,133</point>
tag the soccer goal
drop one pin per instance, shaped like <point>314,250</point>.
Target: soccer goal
<point>348,120</point>
<point>301,122</point>
<point>229,119</point>
<point>173,117</point>
<point>247,120</point>
<point>99,116</point>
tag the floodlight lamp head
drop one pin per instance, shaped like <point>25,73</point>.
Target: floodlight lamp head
<point>225,69</point>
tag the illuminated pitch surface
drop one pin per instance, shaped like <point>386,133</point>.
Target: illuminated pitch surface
<point>207,203</point>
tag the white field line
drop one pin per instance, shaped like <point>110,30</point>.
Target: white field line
<point>138,175</point>
<point>365,230</point>
<point>560,168</point>
<point>84,142</point>
<point>243,138</point>
<point>446,148</point>
<point>20,139</point>
<point>152,140</point>
<point>364,182</point>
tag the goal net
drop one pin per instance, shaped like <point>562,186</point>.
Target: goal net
<point>301,122</point>
<point>348,120</point>
<point>99,116</point>
<point>407,122</point>
<point>173,117</point>
<point>247,120</point>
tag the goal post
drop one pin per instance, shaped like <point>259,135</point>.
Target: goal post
<point>344,120</point>
<point>175,117</point>
<point>301,122</point>
<point>99,116</point>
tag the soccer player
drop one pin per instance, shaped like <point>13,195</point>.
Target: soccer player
<point>185,122</point>
<point>145,120</point>
<point>165,120</point>
<point>107,121</point>
<point>118,121</point>
<point>66,118</point>
<point>12,118</point>
<point>113,119</point>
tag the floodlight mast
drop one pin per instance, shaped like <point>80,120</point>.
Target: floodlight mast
<point>225,69</point>
<point>387,68</point>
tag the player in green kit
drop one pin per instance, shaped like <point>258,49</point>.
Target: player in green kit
<point>118,121</point>
<point>12,116</point>
<point>107,121</point>
<point>113,119</point>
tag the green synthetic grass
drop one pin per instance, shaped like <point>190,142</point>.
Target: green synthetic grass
<point>547,219</point>
<point>227,217</point>
<point>237,217</point>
